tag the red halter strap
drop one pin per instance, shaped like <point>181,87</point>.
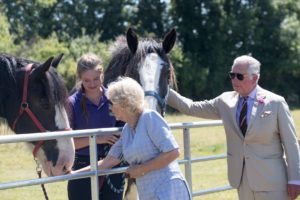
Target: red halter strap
<point>25,107</point>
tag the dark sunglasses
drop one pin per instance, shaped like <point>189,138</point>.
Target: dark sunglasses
<point>110,104</point>
<point>239,76</point>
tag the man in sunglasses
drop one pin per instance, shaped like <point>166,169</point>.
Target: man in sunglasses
<point>262,148</point>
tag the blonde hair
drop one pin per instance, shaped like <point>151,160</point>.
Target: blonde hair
<point>127,93</point>
<point>87,62</point>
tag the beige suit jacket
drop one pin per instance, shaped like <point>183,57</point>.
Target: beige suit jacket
<point>270,137</point>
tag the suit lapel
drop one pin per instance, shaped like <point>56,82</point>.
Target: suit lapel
<point>258,106</point>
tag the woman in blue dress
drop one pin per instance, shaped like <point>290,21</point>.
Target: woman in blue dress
<point>146,143</point>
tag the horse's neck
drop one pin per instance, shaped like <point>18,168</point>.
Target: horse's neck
<point>1,109</point>
<point>2,102</point>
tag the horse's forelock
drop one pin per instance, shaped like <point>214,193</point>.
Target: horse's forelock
<point>124,63</point>
<point>149,46</point>
<point>145,47</point>
<point>57,89</point>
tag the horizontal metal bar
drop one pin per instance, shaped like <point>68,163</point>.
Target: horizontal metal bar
<point>91,173</point>
<point>55,135</point>
<point>207,158</point>
<point>212,190</point>
<point>204,158</point>
<point>30,182</point>
<point>85,133</point>
<point>200,124</point>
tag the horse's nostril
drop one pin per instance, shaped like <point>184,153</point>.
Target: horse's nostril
<point>66,170</point>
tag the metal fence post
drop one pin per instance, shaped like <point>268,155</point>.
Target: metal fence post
<point>94,167</point>
<point>187,156</point>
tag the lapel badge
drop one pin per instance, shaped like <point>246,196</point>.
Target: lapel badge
<point>265,113</point>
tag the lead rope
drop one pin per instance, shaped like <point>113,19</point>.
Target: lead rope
<point>109,182</point>
<point>39,173</point>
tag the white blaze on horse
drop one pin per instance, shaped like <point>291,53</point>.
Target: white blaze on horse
<point>33,99</point>
<point>145,60</point>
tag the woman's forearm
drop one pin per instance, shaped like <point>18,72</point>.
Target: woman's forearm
<point>107,163</point>
<point>135,171</point>
<point>160,161</point>
<point>81,142</point>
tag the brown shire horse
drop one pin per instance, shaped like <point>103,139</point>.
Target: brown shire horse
<point>32,99</point>
<point>145,60</point>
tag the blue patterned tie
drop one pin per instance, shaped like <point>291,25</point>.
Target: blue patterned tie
<point>243,117</point>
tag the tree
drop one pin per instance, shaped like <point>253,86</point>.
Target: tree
<point>214,32</point>
<point>201,31</point>
<point>6,39</point>
<point>67,18</point>
<point>149,17</point>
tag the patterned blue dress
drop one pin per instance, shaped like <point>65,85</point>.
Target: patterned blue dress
<point>152,137</point>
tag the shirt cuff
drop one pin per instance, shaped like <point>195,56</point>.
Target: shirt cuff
<point>294,182</point>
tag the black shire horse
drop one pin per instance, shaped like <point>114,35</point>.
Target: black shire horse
<point>146,61</point>
<point>32,99</point>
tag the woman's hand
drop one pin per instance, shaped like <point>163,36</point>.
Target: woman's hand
<point>107,139</point>
<point>107,163</point>
<point>135,171</point>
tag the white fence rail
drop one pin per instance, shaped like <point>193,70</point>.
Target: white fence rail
<point>94,173</point>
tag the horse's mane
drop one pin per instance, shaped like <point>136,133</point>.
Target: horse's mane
<point>58,91</point>
<point>120,57</point>
<point>124,63</point>
<point>8,67</point>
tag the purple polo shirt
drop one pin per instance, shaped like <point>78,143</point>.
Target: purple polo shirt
<point>98,117</point>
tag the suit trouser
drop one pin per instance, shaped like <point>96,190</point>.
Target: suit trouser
<point>245,192</point>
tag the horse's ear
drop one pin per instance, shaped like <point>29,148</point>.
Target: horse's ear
<point>169,40</point>
<point>42,68</point>
<point>57,60</point>
<point>132,40</point>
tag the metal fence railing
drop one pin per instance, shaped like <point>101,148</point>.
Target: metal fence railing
<point>187,160</point>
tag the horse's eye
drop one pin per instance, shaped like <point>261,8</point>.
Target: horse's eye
<point>168,73</point>
<point>45,104</point>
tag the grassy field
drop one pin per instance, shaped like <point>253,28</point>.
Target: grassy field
<point>16,163</point>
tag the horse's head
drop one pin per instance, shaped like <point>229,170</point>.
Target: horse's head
<point>154,67</point>
<point>37,104</point>
<point>147,61</point>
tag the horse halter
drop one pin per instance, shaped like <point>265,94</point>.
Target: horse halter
<point>162,102</point>
<point>24,107</point>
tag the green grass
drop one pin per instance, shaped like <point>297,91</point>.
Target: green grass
<point>16,163</point>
